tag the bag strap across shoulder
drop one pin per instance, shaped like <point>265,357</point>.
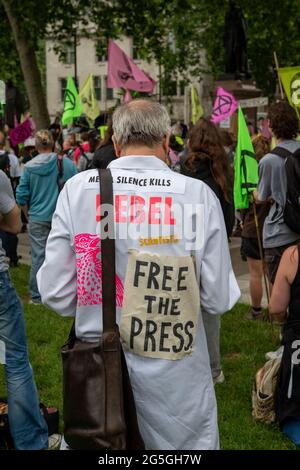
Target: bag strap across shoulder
<point>108,257</point>
<point>60,172</point>
<point>82,152</point>
<point>281,152</point>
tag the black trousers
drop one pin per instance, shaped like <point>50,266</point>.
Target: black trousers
<point>10,244</point>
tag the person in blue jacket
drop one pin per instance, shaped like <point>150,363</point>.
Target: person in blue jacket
<point>37,194</point>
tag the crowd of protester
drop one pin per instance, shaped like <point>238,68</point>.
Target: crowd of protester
<point>45,162</point>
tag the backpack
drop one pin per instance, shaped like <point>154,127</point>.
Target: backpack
<point>5,163</point>
<point>88,158</point>
<point>50,414</point>
<point>60,174</point>
<point>291,211</point>
<point>263,392</point>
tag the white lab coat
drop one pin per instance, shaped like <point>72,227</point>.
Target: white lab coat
<point>175,399</point>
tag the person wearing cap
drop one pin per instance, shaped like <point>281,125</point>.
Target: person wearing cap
<point>82,147</point>
<point>29,150</point>
<point>37,194</point>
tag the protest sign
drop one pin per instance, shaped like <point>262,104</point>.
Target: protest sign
<point>161,305</point>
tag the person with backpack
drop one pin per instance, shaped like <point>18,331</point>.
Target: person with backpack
<point>37,193</point>
<point>9,164</point>
<point>82,147</point>
<point>85,161</point>
<point>273,186</point>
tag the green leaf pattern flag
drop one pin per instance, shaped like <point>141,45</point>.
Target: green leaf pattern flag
<point>72,104</point>
<point>290,79</point>
<point>245,166</point>
<point>197,110</point>
<point>88,100</point>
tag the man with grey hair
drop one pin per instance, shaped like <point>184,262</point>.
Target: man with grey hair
<point>171,252</point>
<point>143,123</point>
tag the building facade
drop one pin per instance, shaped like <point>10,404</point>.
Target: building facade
<point>89,60</point>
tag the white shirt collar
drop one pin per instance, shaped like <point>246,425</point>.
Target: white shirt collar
<point>137,162</point>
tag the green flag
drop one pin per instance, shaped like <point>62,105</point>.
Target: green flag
<point>197,110</point>
<point>102,131</point>
<point>72,104</point>
<point>290,79</point>
<point>88,100</point>
<point>245,166</point>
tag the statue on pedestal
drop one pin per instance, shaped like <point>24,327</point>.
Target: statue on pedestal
<point>235,42</point>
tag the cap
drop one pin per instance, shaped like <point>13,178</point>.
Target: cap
<point>73,130</point>
<point>30,142</point>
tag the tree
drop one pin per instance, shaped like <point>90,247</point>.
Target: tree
<point>26,49</point>
<point>269,25</point>
<point>168,32</point>
<point>30,24</point>
<point>273,26</point>
<point>174,33</point>
<point>199,25</point>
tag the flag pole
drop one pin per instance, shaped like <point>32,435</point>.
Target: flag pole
<point>160,90</point>
<point>75,58</point>
<point>278,76</point>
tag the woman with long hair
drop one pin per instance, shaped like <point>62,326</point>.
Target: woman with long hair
<point>208,162</point>
<point>105,153</point>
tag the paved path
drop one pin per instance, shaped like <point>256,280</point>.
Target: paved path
<point>239,266</point>
<point>24,249</point>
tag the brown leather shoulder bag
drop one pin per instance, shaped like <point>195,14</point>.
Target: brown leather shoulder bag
<point>99,408</point>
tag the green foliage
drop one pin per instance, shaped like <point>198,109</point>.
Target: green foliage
<point>9,59</point>
<point>39,21</point>
<point>168,32</point>
<point>199,25</point>
<point>174,33</point>
<point>273,26</point>
<point>269,24</point>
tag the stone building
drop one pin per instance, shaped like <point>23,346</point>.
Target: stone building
<point>90,61</point>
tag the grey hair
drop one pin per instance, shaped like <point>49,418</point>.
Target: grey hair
<point>44,139</point>
<point>141,122</point>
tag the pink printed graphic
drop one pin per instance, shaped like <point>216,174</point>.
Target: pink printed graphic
<point>89,271</point>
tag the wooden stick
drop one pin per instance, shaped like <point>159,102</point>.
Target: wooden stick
<point>261,254</point>
<point>260,250</point>
<point>277,70</point>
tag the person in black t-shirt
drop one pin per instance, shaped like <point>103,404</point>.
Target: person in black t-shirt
<point>286,297</point>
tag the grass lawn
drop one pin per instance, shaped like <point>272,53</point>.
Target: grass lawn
<point>244,344</point>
